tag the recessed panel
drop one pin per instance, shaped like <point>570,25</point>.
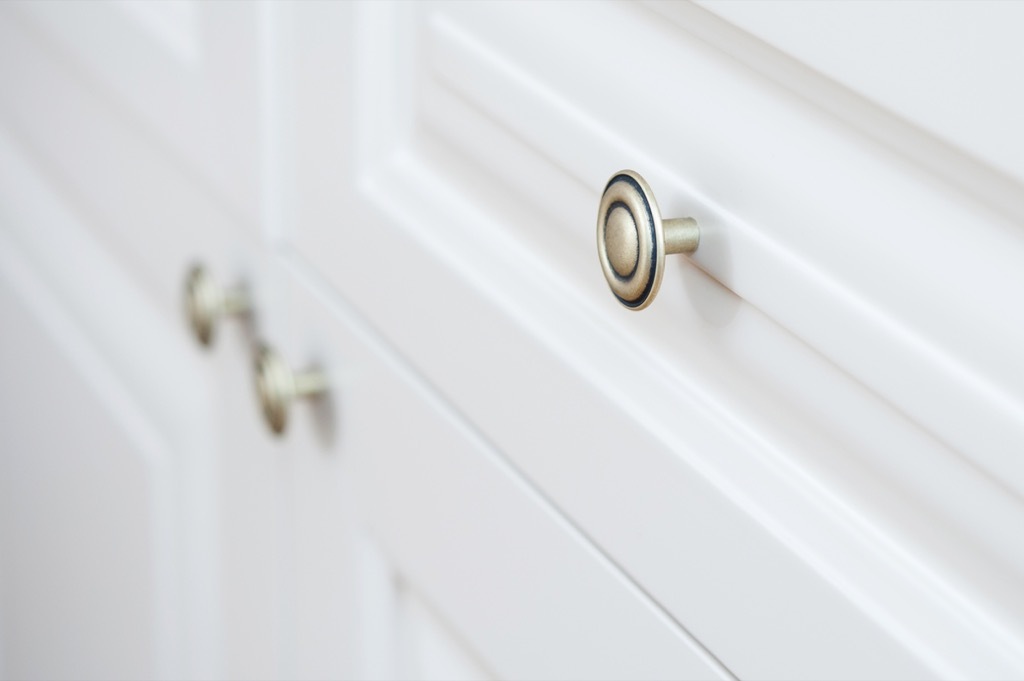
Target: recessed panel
<point>81,504</point>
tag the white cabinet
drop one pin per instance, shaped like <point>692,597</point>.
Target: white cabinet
<point>797,463</point>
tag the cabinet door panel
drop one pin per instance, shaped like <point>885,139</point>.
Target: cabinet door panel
<point>161,438</point>
<point>85,519</point>
<point>384,458</point>
<point>108,537</point>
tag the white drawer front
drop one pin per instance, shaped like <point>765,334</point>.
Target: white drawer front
<point>728,447</point>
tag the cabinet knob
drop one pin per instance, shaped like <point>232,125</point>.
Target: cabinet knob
<point>206,301</point>
<point>277,386</point>
<point>633,239</point>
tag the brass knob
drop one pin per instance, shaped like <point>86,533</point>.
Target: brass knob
<point>206,301</point>
<point>632,239</point>
<point>278,386</point>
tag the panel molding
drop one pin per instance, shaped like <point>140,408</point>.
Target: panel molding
<point>141,374</point>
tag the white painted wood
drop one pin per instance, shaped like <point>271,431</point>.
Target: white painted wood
<point>108,541</point>
<point>769,192</point>
<point>189,74</point>
<point>284,591</point>
<point>481,150</point>
<point>518,584</point>
<point>215,535</point>
<point>797,464</point>
<point>947,67</point>
<point>153,214</point>
<point>432,651</point>
<point>83,521</point>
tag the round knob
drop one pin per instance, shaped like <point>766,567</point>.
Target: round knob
<point>277,386</point>
<point>206,301</point>
<point>632,239</point>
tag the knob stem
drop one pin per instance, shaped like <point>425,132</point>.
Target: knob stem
<point>682,235</point>
<point>206,302</point>
<point>308,383</point>
<point>235,301</point>
<point>278,386</point>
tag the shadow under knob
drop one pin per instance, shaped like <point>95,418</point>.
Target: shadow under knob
<point>206,302</point>
<point>633,239</point>
<point>278,386</point>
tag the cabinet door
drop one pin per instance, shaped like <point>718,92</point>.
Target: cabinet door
<point>140,532</point>
<point>107,527</point>
<point>416,550</point>
<point>91,508</point>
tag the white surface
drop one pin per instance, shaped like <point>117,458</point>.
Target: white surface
<point>797,464</point>
<point>299,590</point>
<point>108,544</point>
<point>508,573</point>
<point>193,84</point>
<point>144,202</point>
<point>949,67</point>
<point>478,165</point>
<point>81,507</point>
<point>802,219</point>
<point>220,614</point>
<point>433,652</point>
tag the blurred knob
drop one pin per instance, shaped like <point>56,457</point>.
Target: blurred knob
<point>278,386</point>
<point>633,239</point>
<point>206,301</point>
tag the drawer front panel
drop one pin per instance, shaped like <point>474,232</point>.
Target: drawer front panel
<point>728,447</point>
<point>862,255</point>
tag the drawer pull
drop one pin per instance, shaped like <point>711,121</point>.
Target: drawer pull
<point>277,386</point>
<point>632,239</point>
<point>206,301</point>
